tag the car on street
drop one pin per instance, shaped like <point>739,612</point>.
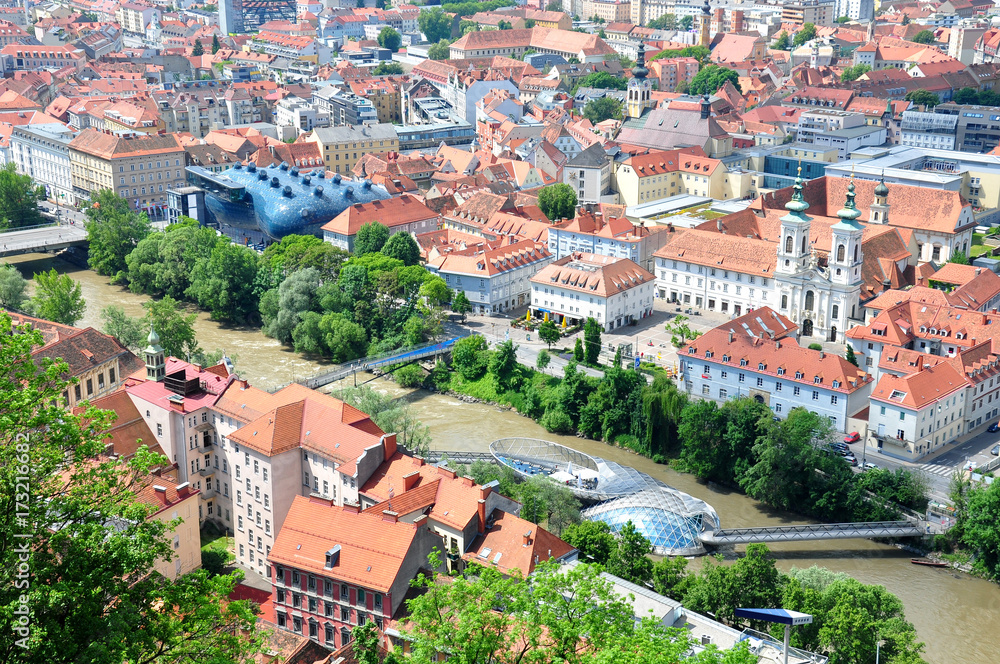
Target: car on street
<point>870,466</point>
<point>994,427</point>
<point>851,459</point>
<point>995,451</point>
<point>852,437</point>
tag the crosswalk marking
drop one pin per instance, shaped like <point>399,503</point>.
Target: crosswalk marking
<point>936,469</point>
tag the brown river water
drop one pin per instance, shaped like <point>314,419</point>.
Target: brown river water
<point>955,615</point>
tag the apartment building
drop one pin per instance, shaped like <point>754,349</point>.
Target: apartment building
<point>343,146</point>
<point>20,57</point>
<point>612,291</point>
<point>195,107</point>
<point>617,237</point>
<point>403,214</point>
<point>659,175</point>
<point>134,18</point>
<point>589,173</point>
<point>139,168</point>
<point>42,151</point>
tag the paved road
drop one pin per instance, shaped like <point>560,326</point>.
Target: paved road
<point>48,237</point>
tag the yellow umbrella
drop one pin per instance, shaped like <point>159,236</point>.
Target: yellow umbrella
<point>529,314</point>
<point>546,317</point>
<point>564,322</point>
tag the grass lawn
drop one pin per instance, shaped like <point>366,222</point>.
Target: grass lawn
<point>212,539</point>
<point>978,250</point>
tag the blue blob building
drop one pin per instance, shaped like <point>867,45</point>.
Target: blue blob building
<point>258,205</point>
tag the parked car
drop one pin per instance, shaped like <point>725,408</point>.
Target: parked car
<point>851,459</point>
<point>845,453</point>
<point>839,446</point>
<point>852,437</point>
<point>994,427</point>
<point>870,466</point>
<point>995,451</point>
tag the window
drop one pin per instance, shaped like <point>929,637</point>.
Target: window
<point>282,620</point>
<point>256,467</point>
<point>723,393</point>
<point>239,497</point>
<point>815,395</point>
<point>159,429</point>
<point>833,400</point>
<point>742,377</point>
<point>378,602</point>
<point>345,615</point>
<point>265,474</point>
<point>796,390</point>
<point>760,382</point>
<point>297,624</point>
<point>777,386</point>
<point>239,522</point>
<point>237,472</point>
<point>777,407</point>
<point>305,478</point>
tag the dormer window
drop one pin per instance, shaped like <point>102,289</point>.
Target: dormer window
<point>725,358</point>
<point>781,371</point>
<point>708,353</point>
<point>798,374</point>
<point>761,366</point>
<point>743,362</point>
<point>836,384</point>
<point>817,380</point>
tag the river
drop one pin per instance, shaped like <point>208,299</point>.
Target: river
<point>955,615</point>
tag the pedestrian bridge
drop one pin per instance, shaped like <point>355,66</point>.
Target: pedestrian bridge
<point>805,533</point>
<point>34,239</point>
<point>376,361</point>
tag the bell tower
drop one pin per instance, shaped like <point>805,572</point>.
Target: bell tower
<point>845,249</point>
<point>705,25</point>
<point>156,368</point>
<point>637,97</point>
<point>878,212</point>
<point>793,247</point>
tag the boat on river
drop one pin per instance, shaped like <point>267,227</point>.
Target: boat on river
<point>928,563</point>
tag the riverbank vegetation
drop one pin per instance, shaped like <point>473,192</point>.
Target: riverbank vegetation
<point>783,463</point>
<point>975,536</point>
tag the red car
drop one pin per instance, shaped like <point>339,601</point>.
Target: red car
<point>852,437</point>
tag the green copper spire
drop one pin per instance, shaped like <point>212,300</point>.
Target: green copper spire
<point>850,212</point>
<point>797,205</point>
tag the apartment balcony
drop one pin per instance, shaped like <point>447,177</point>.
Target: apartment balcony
<point>207,471</point>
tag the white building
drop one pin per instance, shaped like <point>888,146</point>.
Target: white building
<point>494,278</point>
<point>589,173</point>
<point>301,114</point>
<point>856,10</point>
<point>42,151</point>
<point>757,356</point>
<point>592,233</point>
<point>612,291</point>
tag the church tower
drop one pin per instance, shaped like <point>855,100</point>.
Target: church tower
<point>845,248</point>
<point>156,368</point>
<point>704,25</point>
<point>793,247</point>
<point>878,212</point>
<point>637,97</point>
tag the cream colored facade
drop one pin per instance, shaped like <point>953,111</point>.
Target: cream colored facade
<point>95,383</point>
<point>636,189</point>
<point>185,538</point>
<point>343,146</point>
<point>610,12</point>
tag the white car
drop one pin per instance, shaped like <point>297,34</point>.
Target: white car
<point>870,466</point>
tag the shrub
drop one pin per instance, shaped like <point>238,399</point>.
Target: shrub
<point>410,375</point>
<point>215,561</point>
<point>815,346</point>
<point>555,420</point>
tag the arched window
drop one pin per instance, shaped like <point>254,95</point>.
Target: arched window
<point>788,244</point>
<point>841,251</point>
<point>836,311</point>
<point>804,240</point>
<point>810,300</point>
<point>784,301</point>
<point>857,250</point>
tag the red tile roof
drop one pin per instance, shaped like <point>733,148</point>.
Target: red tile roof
<point>392,212</point>
<point>602,276</point>
<point>513,543</point>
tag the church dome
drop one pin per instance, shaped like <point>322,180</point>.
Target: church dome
<point>881,189</point>
<point>153,339</point>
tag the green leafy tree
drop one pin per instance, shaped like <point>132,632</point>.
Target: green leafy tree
<point>465,27</point>
<point>225,283</point>
<point>558,201</point>
<point>855,72</point>
<point>94,595</point>
<point>113,230</point>
<point>371,238</point>
<point>685,23</point>
<point>344,339</point>
<point>578,353</point>
<point>782,42</point>
<point>403,247</point>
<point>470,356</point>
<point>296,295</point>
<point>629,559</point>
<point>711,78</point>
<point>960,258</point>
<point>58,298</point>
<point>549,333</point>
<point>295,252</point>
<point>460,304</point>
<point>924,37</point>
<point>215,44</point>
<point>174,327</point>
<point>851,357</point>
<point>19,199</point>
<point>842,19</point>
<point>921,97</point>
<point>13,288</point>
<point>663,405</point>
<point>365,643</point>
<point>543,360</point>
<point>387,68</point>
<point>977,527</point>
<point>753,580</point>
<point>504,367</point>
<point>162,263</point>
<point>440,50</point>
<point>603,80</point>
<point>807,33</point>
<point>989,98</point>
<point>669,577</point>
<point>197,50</point>
<point>680,331</point>
<point>966,96</point>
<point>592,340</point>
<point>435,24</point>
<point>130,332</point>
<point>504,25</point>
<point>593,539</point>
<point>389,38</point>
<point>554,6</point>
<point>601,109</point>
<point>390,414</point>
<point>664,22</point>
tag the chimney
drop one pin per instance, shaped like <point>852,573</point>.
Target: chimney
<point>184,489</point>
<point>391,517</point>
<point>526,538</point>
<point>467,481</point>
<point>822,355</point>
<point>481,507</point>
<point>484,492</point>
<point>777,345</point>
<point>978,271</point>
<point>410,480</point>
<point>447,472</point>
<point>352,508</point>
<point>706,108</point>
<point>320,500</point>
<point>160,489</point>
<point>730,336</point>
<point>389,443</point>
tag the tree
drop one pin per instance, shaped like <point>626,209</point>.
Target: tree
<point>58,298</point>
<point>629,559</point>
<point>130,332</point>
<point>371,237</point>
<point>403,247</point>
<point>601,109</point>
<point>842,19</point>
<point>390,414</point>
<point>855,72</point>
<point>554,6</point>
<point>851,357</point>
<point>344,339</point>
<point>966,96</point>
<point>113,230</point>
<point>977,527</point>
<point>296,295</point>
<point>504,368</point>
<point>465,27</point>
<point>578,353</point>
<point>685,23</point>
<point>216,46</point>
<point>669,577</point>
<point>711,78</point>
<point>439,51</point>
<point>960,258</point>
<point>225,283</point>
<point>470,356</point>
<point>681,332</point>
<point>389,38</point>
<point>543,360</point>
<point>602,80</point>
<point>365,643</point>
<point>83,534</point>
<point>558,201</point>
<point>175,328</point>
<point>504,25</point>
<point>197,50</point>
<point>782,42</point>
<point>162,263</point>
<point>592,341</point>
<point>664,22</point>
<point>435,24</point>
<point>19,199</point>
<point>807,33</point>
<point>13,288</point>
<point>295,252</point>
<point>592,538</point>
<point>387,68</point>
<point>460,304</point>
<point>753,580</point>
<point>924,37</point>
<point>549,333</point>
<point>921,97</point>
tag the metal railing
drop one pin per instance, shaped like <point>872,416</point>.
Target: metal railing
<point>812,532</point>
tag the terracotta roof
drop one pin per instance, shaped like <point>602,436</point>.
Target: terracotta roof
<point>129,431</point>
<point>602,276</point>
<point>113,146</point>
<point>491,261</point>
<point>149,492</point>
<point>513,543</point>
<point>728,252</point>
<point>87,349</point>
<point>919,389</point>
<point>372,549</point>
<point>392,212</point>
